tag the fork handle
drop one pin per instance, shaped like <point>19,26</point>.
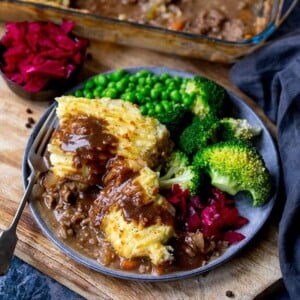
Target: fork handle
<point>8,238</point>
<point>31,181</point>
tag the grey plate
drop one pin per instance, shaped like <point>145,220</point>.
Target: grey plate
<point>257,215</point>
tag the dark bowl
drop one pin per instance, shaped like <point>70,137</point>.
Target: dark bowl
<point>53,89</point>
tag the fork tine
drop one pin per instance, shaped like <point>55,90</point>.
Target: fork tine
<point>42,137</point>
<point>45,139</point>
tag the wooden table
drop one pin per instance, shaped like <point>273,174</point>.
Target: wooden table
<point>246,275</point>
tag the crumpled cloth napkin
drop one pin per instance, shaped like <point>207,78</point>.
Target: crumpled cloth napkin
<point>271,76</point>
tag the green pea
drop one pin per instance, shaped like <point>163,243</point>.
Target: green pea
<point>98,92</point>
<point>128,90</point>
<point>169,81</point>
<point>126,78</point>
<point>147,99</point>
<point>146,90</point>
<point>133,79</point>
<point>182,91</point>
<point>158,108</point>
<point>165,95</point>
<point>178,80</point>
<point>78,93</point>
<point>154,80</point>
<point>164,76</point>
<point>129,96</point>
<point>175,96</point>
<point>140,97</point>
<point>101,79</point>
<point>89,84</point>
<point>117,75</point>
<point>149,105</point>
<point>142,81</point>
<point>184,83</point>
<point>124,96</point>
<point>149,80</point>
<point>155,94</point>
<point>121,85</point>
<point>143,73</point>
<point>110,93</point>
<point>166,105</point>
<point>131,86</point>
<point>88,94</point>
<point>151,111</point>
<point>144,110</point>
<point>158,86</point>
<point>187,100</point>
<point>172,86</point>
<point>112,85</point>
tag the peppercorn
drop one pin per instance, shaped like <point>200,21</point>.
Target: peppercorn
<point>229,294</point>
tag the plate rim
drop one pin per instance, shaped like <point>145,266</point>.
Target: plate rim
<point>92,263</point>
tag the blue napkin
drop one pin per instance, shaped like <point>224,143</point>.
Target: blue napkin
<point>271,76</point>
<point>24,282</point>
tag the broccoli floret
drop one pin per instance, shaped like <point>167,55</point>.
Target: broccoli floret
<point>173,118</point>
<point>200,133</point>
<point>177,170</point>
<point>235,166</point>
<point>231,128</point>
<point>209,97</point>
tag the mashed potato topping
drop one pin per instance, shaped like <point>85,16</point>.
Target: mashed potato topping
<point>135,136</point>
<point>138,220</point>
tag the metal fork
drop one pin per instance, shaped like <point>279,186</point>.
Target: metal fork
<point>36,162</point>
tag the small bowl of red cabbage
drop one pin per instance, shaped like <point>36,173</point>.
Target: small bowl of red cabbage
<point>41,60</point>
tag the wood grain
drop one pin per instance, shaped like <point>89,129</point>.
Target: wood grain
<point>246,275</point>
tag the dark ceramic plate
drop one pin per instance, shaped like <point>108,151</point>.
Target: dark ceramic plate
<point>257,215</point>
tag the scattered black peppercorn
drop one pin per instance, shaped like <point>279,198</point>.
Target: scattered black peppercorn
<point>229,294</point>
<point>89,56</point>
<point>30,120</point>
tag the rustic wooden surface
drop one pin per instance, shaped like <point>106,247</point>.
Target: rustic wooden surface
<point>246,275</point>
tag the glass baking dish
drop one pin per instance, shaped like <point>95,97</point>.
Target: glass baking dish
<point>146,36</point>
